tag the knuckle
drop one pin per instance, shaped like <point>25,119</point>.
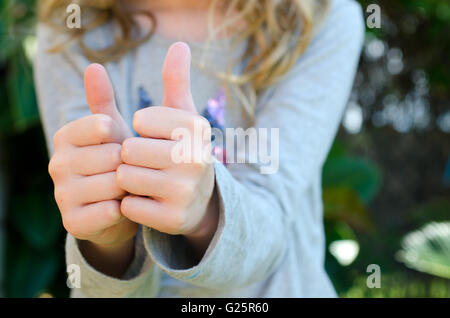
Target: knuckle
<point>198,124</point>
<point>127,149</point>
<point>56,166</point>
<point>192,122</point>
<point>126,208</point>
<point>115,154</point>
<point>114,188</point>
<point>138,119</point>
<point>118,191</point>
<point>178,221</point>
<point>71,225</point>
<point>120,174</point>
<point>103,125</point>
<point>58,137</point>
<point>112,210</point>
<point>204,123</point>
<point>61,194</point>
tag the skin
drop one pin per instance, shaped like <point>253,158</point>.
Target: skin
<point>107,182</point>
<point>183,19</point>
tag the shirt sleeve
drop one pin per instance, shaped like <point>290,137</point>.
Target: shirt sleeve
<point>59,83</point>
<point>257,210</point>
<point>60,91</point>
<point>142,279</point>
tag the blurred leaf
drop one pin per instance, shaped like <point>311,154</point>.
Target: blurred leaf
<point>5,115</point>
<point>337,150</point>
<point>21,91</point>
<point>437,209</point>
<point>428,249</point>
<point>354,173</point>
<point>6,21</point>
<point>419,6</point>
<point>399,285</point>
<point>17,19</point>
<point>336,231</point>
<point>343,204</point>
<point>36,217</point>
<point>29,271</point>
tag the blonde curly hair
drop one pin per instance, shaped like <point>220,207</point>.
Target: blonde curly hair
<point>277,33</point>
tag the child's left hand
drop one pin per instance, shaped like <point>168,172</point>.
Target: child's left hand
<point>175,198</point>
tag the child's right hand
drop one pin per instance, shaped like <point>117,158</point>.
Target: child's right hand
<point>87,154</point>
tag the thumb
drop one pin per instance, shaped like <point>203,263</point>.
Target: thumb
<point>176,78</point>
<point>100,95</point>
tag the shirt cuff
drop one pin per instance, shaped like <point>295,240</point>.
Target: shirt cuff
<point>142,279</point>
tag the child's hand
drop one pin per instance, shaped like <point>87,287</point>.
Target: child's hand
<point>83,168</point>
<point>174,198</point>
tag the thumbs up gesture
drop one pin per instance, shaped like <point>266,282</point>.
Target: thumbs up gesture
<point>164,194</point>
<point>106,181</point>
<point>83,168</point>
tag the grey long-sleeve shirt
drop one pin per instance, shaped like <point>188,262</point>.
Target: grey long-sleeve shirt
<point>270,238</point>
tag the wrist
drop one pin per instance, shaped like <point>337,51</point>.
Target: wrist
<point>111,259</point>
<point>109,248</point>
<point>201,237</point>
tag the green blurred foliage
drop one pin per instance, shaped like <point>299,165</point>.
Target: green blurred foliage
<point>352,183</point>
<point>428,249</point>
<point>407,190</point>
<point>399,285</point>
<point>34,235</point>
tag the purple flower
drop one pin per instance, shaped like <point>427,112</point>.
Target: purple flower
<point>215,110</point>
<point>215,114</point>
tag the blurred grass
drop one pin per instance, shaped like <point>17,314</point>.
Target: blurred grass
<point>399,285</point>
